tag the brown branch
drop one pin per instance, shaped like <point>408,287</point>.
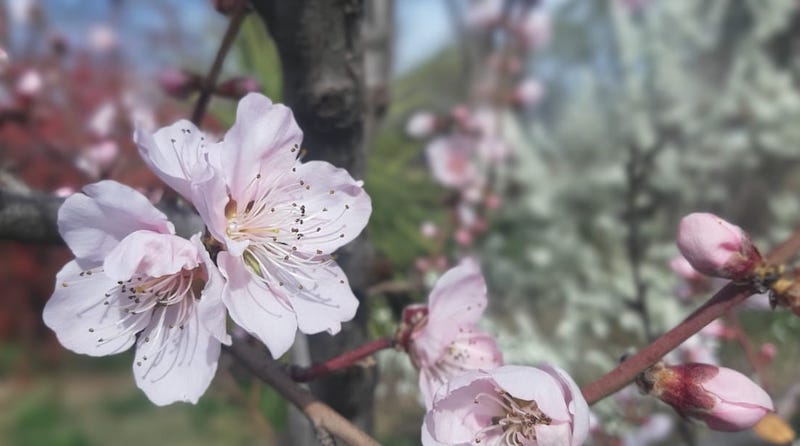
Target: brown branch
<point>324,419</point>
<point>347,359</point>
<point>209,84</point>
<point>725,299</point>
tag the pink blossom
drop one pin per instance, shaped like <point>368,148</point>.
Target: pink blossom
<point>239,86</point>
<point>463,237</point>
<point>276,219</point>
<point>528,93</point>
<point>429,229</point>
<point>717,248</point>
<point>450,160</point>
<point>178,83</point>
<point>493,202</point>
<point>102,38</point>
<point>534,30</point>
<point>98,158</point>
<point>421,124</point>
<point>721,397</point>
<point>101,122</point>
<point>509,405</point>
<point>767,352</point>
<point>484,13</point>
<point>30,83</point>
<point>134,281</point>
<point>444,339</point>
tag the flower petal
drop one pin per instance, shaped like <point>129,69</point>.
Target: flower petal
<point>150,254</point>
<point>257,308</point>
<point>335,206</point>
<point>265,140</point>
<point>175,362</point>
<point>211,309</point>
<point>533,384</point>
<point>556,434</point>
<point>210,198</point>
<point>176,154</point>
<point>325,301</point>
<point>576,403</point>
<point>85,314</point>
<point>93,224</point>
<point>456,301</point>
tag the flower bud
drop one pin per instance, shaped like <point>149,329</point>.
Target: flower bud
<point>421,124</point>
<point>717,248</point>
<point>721,397</point>
<point>238,87</point>
<point>178,83</point>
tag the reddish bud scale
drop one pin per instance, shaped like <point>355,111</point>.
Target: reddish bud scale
<point>680,387</point>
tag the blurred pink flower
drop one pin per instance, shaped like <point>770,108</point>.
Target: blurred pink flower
<point>444,339</point>
<point>767,352</point>
<point>721,397</point>
<point>484,13</point>
<point>493,202</point>
<point>450,160</point>
<point>238,87</point>
<point>101,122</point>
<point>534,30</point>
<point>30,83</point>
<point>428,229</point>
<point>134,281</point>
<point>528,93</point>
<point>102,38</point>
<point>463,237</point>
<point>655,429</point>
<point>421,124</point>
<point>717,248</point>
<point>510,405</point>
<point>98,158</point>
<point>277,220</point>
<point>178,83</point>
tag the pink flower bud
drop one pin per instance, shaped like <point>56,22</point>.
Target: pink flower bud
<point>464,237</point>
<point>238,87</point>
<point>178,83</point>
<point>421,124</point>
<point>721,397</point>
<point>717,248</point>
<point>528,93</point>
<point>768,352</point>
<point>510,405</point>
<point>428,229</point>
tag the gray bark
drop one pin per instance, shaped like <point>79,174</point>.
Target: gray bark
<point>321,52</point>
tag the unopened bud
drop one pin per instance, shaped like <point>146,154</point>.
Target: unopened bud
<point>717,248</point>
<point>238,87</point>
<point>723,398</point>
<point>178,83</point>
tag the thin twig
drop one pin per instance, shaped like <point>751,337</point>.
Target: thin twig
<point>209,84</point>
<point>725,299</point>
<point>347,359</point>
<point>322,417</point>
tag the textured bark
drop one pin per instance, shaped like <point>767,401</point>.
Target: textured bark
<point>321,52</point>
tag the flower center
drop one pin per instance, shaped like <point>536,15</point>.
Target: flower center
<point>143,294</point>
<point>517,425</point>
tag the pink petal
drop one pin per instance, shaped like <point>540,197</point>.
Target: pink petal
<point>83,323</point>
<point>265,140</point>
<point>255,307</point>
<point>556,434</point>
<point>709,242</point>
<point>576,403</point>
<point>325,301</point>
<point>734,387</point>
<point>450,161</point>
<point>210,308</point>
<point>176,154</point>
<point>733,417</point>
<point>456,301</point>
<point>94,223</point>
<point>150,254</point>
<point>533,384</point>
<point>175,363</point>
<point>336,206</point>
<point>455,417</point>
<point>210,199</point>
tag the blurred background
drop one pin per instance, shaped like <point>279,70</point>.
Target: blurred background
<point>558,141</point>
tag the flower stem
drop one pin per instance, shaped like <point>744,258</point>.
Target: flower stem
<point>347,359</point>
<point>237,16</point>
<point>725,299</point>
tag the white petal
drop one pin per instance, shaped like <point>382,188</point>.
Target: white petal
<point>150,254</point>
<point>325,299</point>
<point>210,198</point>
<point>256,308</point>
<point>335,206</point>
<point>265,139</point>
<point>176,154</point>
<point>211,308</point>
<point>83,322</point>
<point>94,223</point>
<point>175,363</point>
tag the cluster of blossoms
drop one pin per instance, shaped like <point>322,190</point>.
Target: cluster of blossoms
<point>272,224</point>
<point>467,146</point>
